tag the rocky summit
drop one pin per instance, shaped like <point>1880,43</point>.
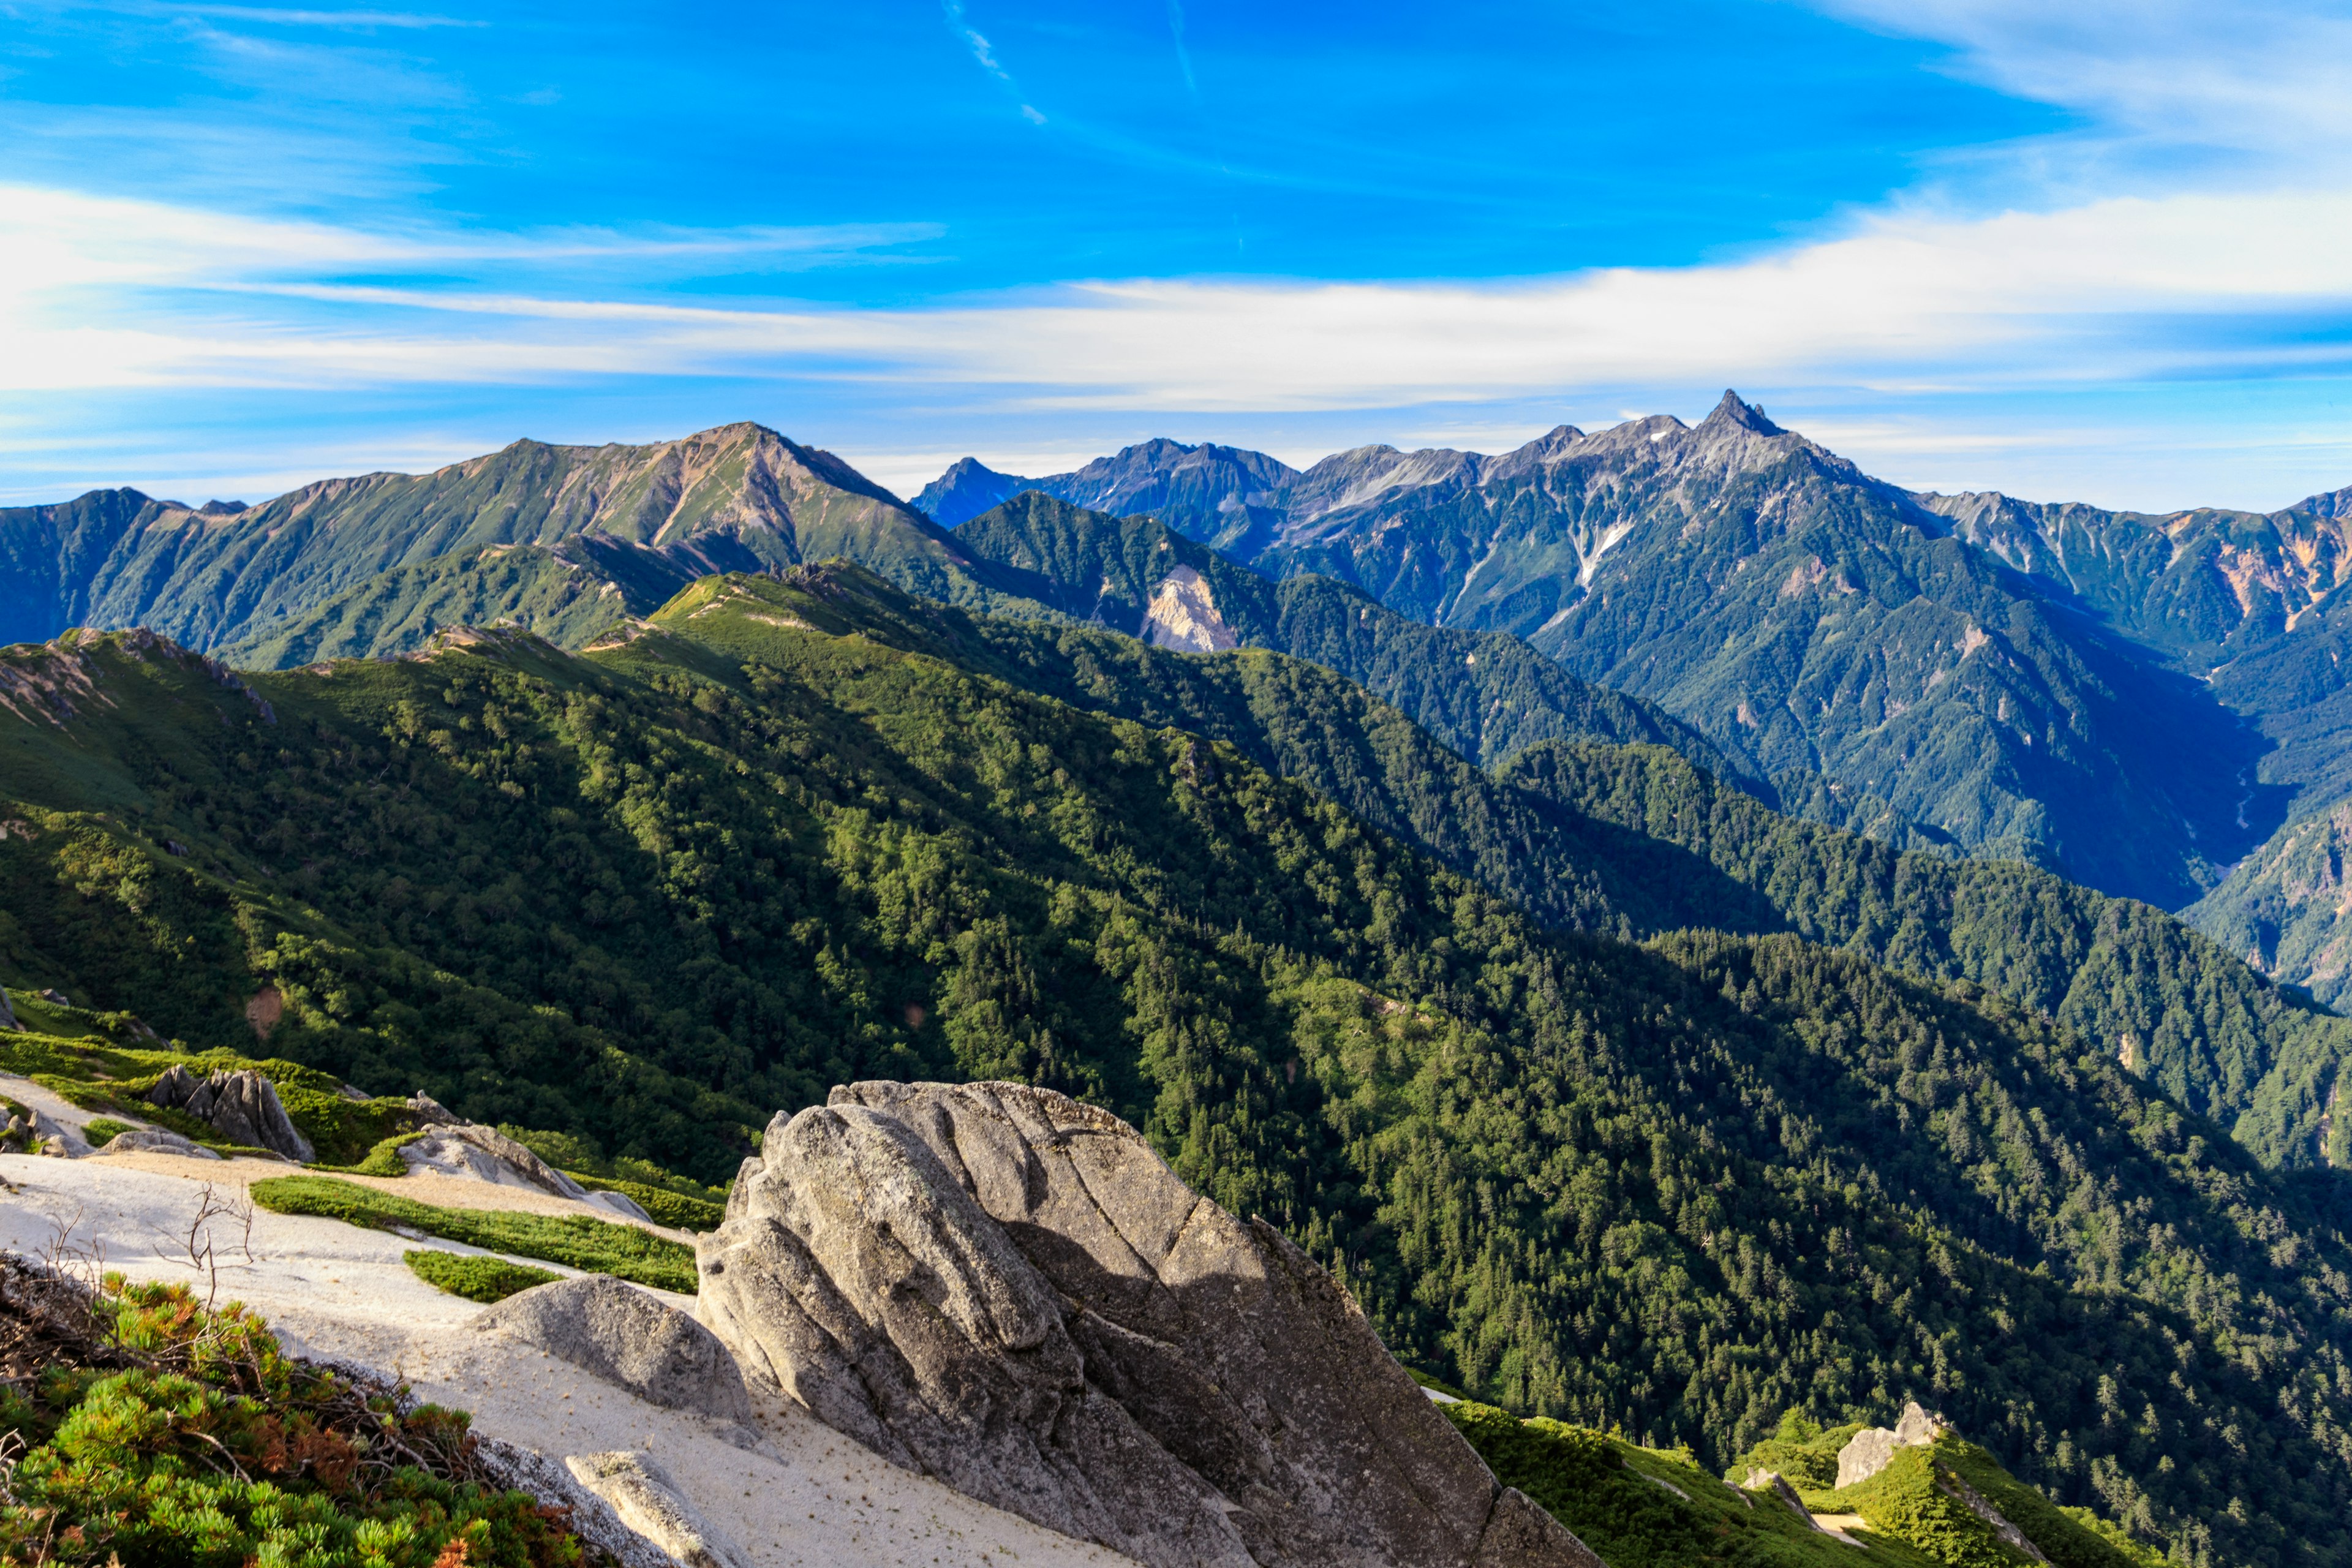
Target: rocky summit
<point>1001,1286</point>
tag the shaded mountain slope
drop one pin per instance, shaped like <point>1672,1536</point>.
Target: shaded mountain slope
<point>1220,496</point>
<point>737,497</point>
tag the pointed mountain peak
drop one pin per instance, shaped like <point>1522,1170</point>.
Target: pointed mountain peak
<point>1746,416</point>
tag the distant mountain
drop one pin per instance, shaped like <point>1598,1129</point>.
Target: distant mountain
<point>1485,694</point>
<point>1797,612</point>
<point>1221,496</point>
<point>737,497</point>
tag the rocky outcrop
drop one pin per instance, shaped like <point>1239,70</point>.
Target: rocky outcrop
<point>1009,1291</point>
<point>624,1336</point>
<point>591,1517</point>
<point>649,1502</point>
<point>1976,1503</point>
<point>451,1146</point>
<point>1866,1452</point>
<point>243,1107</point>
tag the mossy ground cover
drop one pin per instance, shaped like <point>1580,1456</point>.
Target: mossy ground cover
<point>147,1429</point>
<point>476,1278</point>
<point>621,1250</point>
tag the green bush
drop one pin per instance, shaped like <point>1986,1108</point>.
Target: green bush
<point>174,1435</point>
<point>102,1131</point>
<point>576,1241</point>
<point>1800,1450</point>
<point>476,1278</point>
<point>384,1160</point>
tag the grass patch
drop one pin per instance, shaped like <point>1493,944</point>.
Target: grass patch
<point>1911,1500</point>
<point>575,1240</point>
<point>103,1130</point>
<point>675,1210</point>
<point>476,1278</point>
<point>1611,1493</point>
<point>156,1432</point>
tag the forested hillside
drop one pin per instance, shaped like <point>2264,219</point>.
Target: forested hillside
<point>1677,1188</point>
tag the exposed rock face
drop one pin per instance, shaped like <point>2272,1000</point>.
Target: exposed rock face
<point>242,1105</point>
<point>624,1336</point>
<point>1976,1502</point>
<point>594,1520</point>
<point>655,1507</point>
<point>1867,1452</point>
<point>997,1286</point>
<point>1182,615</point>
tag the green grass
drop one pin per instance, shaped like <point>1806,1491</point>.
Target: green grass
<point>1608,1491</point>
<point>675,1210</point>
<point>476,1278</point>
<point>102,1131</point>
<point>598,1245</point>
<point>1909,1501</point>
<point>170,1434</point>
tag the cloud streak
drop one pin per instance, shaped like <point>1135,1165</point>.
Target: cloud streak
<point>985,54</point>
<point>121,293</point>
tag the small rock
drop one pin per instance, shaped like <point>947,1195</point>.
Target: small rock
<point>654,1505</point>
<point>156,1141</point>
<point>1867,1453</point>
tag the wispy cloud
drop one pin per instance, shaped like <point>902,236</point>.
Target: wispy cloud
<point>133,293</point>
<point>985,54</point>
<point>275,17</point>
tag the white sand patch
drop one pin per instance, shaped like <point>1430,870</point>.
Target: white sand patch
<point>806,1497</point>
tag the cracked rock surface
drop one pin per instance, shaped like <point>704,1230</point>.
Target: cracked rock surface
<point>997,1286</point>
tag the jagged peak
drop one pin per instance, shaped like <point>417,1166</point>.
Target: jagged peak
<point>1733,410</point>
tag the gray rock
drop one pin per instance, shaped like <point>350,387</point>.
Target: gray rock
<point>594,1520</point>
<point>998,1287</point>
<point>155,1141</point>
<point>625,1337</point>
<point>489,1156</point>
<point>649,1502</point>
<point>1976,1502</point>
<point>1867,1452</point>
<point>617,1202</point>
<point>1917,1428</point>
<point>243,1107</point>
<point>7,1013</point>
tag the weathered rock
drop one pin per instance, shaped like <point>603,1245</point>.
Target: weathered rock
<point>454,1147</point>
<point>1866,1452</point>
<point>624,1336</point>
<point>1976,1502</point>
<point>243,1107</point>
<point>649,1502</point>
<point>155,1141</point>
<point>1774,1482</point>
<point>616,1202</point>
<point>7,1013</point>
<point>1917,1427</point>
<point>593,1519</point>
<point>1001,1287</point>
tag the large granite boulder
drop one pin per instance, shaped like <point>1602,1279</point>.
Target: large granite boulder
<point>625,1336</point>
<point>1009,1291</point>
<point>243,1107</point>
<point>1867,1451</point>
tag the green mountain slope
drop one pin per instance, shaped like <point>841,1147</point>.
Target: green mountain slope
<point>1485,695</point>
<point>1680,1188</point>
<point>570,593</point>
<point>2172,1007</point>
<point>737,497</point>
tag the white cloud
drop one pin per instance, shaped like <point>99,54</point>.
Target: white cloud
<point>108,292</point>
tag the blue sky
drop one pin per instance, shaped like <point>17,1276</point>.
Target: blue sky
<point>2092,252</point>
